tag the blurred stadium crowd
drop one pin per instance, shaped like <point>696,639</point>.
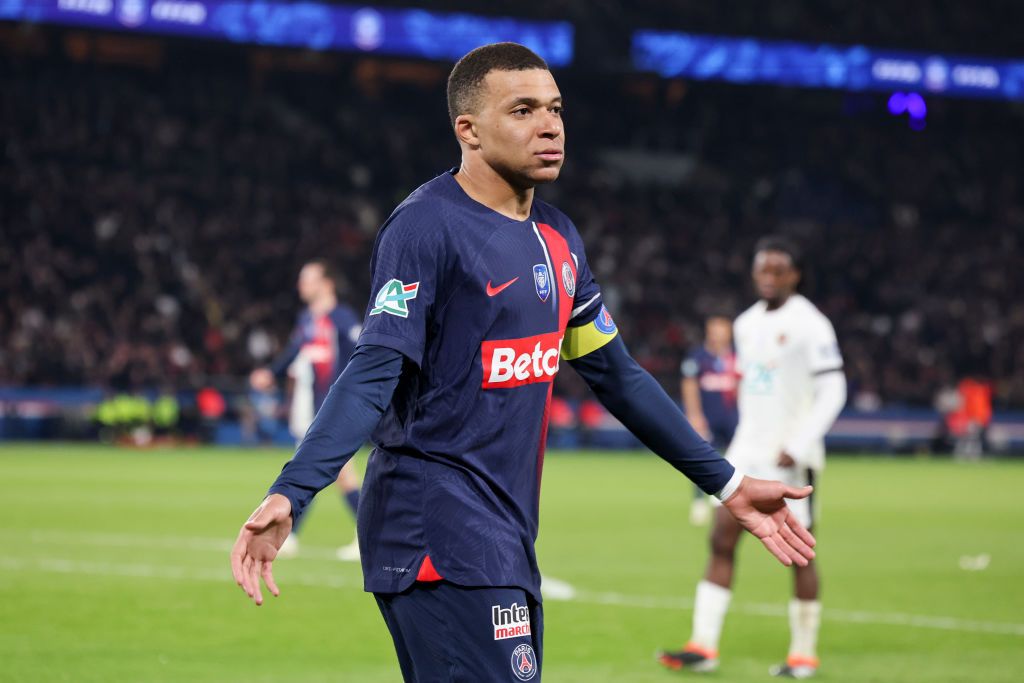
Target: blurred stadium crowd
<point>155,218</point>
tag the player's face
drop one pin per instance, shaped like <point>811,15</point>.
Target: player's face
<point>519,126</point>
<point>718,332</point>
<point>774,275</point>
<point>311,282</point>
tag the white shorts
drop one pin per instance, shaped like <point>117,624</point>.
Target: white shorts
<point>804,509</point>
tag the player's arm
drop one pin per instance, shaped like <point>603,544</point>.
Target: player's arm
<point>829,399</point>
<point>829,387</point>
<point>598,354</point>
<point>263,378</point>
<point>690,390</point>
<point>283,359</point>
<point>351,411</point>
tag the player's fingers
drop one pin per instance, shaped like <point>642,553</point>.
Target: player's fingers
<point>268,578</point>
<point>236,560</point>
<point>247,564</point>
<point>801,531</point>
<point>794,554</point>
<point>788,550</point>
<point>797,493</point>
<point>796,542</point>
<point>254,580</point>
<point>773,548</point>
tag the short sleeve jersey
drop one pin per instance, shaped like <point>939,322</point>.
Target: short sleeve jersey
<point>779,353</point>
<point>717,378</point>
<point>483,307</point>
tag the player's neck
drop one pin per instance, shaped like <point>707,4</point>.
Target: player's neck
<point>485,185</point>
<point>717,349</point>
<point>776,304</point>
<point>322,305</point>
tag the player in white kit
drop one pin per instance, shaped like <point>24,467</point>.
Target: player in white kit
<point>792,388</point>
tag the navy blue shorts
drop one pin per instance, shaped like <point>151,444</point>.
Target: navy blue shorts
<point>445,633</point>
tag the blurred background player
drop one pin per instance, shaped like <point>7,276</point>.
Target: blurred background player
<point>708,388</point>
<point>320,345</point>
<point>792,388</point>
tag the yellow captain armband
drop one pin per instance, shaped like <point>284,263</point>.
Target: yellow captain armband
<point>579,341</point>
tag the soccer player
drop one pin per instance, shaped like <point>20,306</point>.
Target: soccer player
<point>791,391</point>
<point>480,290</point>
<point>708,388</point>
<point>321,343</point>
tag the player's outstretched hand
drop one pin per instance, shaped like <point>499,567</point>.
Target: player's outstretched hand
<point>258,542</point>
<point>760,506</point>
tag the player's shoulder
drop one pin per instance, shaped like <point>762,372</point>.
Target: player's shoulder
<point>810,317</point>
<point>749,316</point>
<point>550,214</point>
<point>420,218</point>
<point>805,308</point>
<point>344,313</point>
<point>427,201</point>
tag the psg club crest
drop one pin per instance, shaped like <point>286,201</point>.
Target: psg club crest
<point>524,662</point>
<point>603,322</point>
<point>542,281</point>
<point>568,279</point>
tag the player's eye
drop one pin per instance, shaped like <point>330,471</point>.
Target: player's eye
<point>557,110</point>
<point>521,112</point>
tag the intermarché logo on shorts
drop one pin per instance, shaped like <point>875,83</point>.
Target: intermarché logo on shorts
<point>510,622</point>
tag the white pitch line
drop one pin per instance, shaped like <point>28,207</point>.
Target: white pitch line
<point>154,571</point>
<point>556,590</point>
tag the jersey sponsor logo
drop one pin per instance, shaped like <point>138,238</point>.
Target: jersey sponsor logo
<point>393,297</point>
<point>568,279</point>
<point>510,622</point>
<point>542,281</point>
<point>515,362</point>
<point>718,382</point>
<point>759,378</point>
<point>494,291</point>
<point>524,662</point>
<point>603,322</point>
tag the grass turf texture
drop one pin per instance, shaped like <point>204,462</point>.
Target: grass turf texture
<point>114,568</point>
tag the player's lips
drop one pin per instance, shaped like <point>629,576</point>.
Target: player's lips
<point>551,154</point>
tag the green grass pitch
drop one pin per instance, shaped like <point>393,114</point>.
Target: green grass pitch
<point>114,567</point>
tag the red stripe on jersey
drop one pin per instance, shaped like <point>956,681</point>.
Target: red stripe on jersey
<point>560,255</point>
<point>427,571</point>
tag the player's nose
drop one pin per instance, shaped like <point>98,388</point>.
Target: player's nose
<point>551,127</point>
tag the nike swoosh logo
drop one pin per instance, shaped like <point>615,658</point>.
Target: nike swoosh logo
<point>494,291</point>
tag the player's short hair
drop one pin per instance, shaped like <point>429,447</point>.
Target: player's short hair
<point>784,245</point>
<point>467,78</point>
<point>329,271</point>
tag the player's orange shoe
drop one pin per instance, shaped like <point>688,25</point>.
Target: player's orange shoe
<point>693,657</point>
<point>796,667</point>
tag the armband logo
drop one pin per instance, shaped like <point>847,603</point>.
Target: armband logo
<point>393,297</point>
<point>603,322</point>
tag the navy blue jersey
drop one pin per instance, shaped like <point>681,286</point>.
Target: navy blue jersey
<point>718,380</point>
<point>327,341</point>
<point>479,304</point>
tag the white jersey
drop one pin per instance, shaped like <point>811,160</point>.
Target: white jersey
<point>778,354</point>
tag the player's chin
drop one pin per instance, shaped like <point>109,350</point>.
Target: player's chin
<point>547,173</point>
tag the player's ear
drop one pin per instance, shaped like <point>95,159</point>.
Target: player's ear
<point>465,130</point>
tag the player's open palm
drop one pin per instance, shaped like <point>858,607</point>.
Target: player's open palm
<point>256,547</point>
<point>760,506</point>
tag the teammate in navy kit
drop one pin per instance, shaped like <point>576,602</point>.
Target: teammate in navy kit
<point>708,389</point>
<point>320,345</point>
<point>480,291</point>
